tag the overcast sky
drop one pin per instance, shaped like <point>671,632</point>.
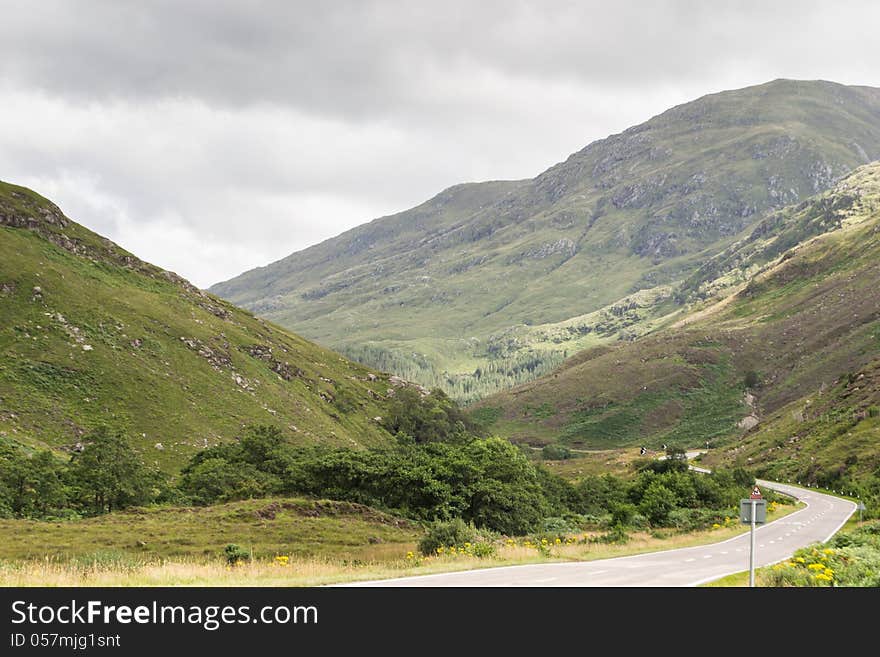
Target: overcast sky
<point>210,137</point>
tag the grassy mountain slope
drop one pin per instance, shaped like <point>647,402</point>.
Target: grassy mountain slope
<point>777,359</point>
<point>91,334</point>
<point>490,284</point>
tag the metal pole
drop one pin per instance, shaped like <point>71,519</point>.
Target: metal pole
<point>752,551</point>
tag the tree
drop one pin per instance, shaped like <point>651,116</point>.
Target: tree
<point>30,485</point>
<point>217,479</point>
<point>109,473</point>
<point>426,418</point>
<point>657,502</point>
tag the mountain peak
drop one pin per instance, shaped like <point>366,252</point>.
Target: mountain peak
<point>453,292</point>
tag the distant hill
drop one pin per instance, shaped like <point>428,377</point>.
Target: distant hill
<point>491,284</point>
<point>775,361</point>
<point>90,334</point>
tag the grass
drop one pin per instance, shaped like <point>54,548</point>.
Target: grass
<point>614,461</point>
<point>333,548</point>
<point>265,528</point>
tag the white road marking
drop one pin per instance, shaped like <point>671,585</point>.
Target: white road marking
<point>548,579</point>
<point>688,560</point>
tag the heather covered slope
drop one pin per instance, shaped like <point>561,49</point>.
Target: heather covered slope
<point>775,360</point>
<point>490,284</point>
<point>90,334</point>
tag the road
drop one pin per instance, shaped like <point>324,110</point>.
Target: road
<point>775,541</point>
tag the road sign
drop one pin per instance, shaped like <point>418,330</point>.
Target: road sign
<point>745,511</point>
<point>753,511</point>
<point>861,507</point>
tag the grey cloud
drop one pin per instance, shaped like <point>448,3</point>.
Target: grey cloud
<point>213,135</point>
<point>367,59</point>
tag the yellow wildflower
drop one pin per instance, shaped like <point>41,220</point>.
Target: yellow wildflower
<point>801,560</point>
<point>816,566</point>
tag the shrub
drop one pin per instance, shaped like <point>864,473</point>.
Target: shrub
<point>639,521</point>
<point>622,514</point>
<point>752,379</point>
<point>555,452</point>
<point>589,520</point>
<point>443,534</point>
<point>555,526</point>
<point>657,502</point>
<point>235,554</point>
<point>691,519</point>
<point>482,549</point>
<point>616,534</point>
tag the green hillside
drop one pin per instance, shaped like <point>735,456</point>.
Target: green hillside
<point>775,360</point>
<point>89,334</point>
<point>491,284</point>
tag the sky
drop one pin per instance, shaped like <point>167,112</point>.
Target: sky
<point>211,137</point>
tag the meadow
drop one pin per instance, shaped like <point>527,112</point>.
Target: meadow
<point>309,543</point>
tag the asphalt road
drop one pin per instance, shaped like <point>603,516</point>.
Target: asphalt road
<point>775,541</point>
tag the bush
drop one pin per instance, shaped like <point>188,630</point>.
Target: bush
<point>555,526</point>
<point>622,514</point>
<point>639,522</point>
<point>616,534</point>
<point>657,502</point>
<point>482,549</point>
<point>555,453</point>
<point>589,520</point>
<point>691,519</point>
<point>752,379</point>
<point>443,534</point>
<point>235,554</point>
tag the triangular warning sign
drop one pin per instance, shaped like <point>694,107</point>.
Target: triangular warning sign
<point>756,493</point>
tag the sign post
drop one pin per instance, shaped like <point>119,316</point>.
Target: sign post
<point>753,511</point>
<point>861,507</point>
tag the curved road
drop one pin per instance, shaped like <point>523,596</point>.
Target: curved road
<point>775,541</point>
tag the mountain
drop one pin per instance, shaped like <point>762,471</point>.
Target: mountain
<point>90,334</point>
<point>775,359</point>
<point>491,284</point>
